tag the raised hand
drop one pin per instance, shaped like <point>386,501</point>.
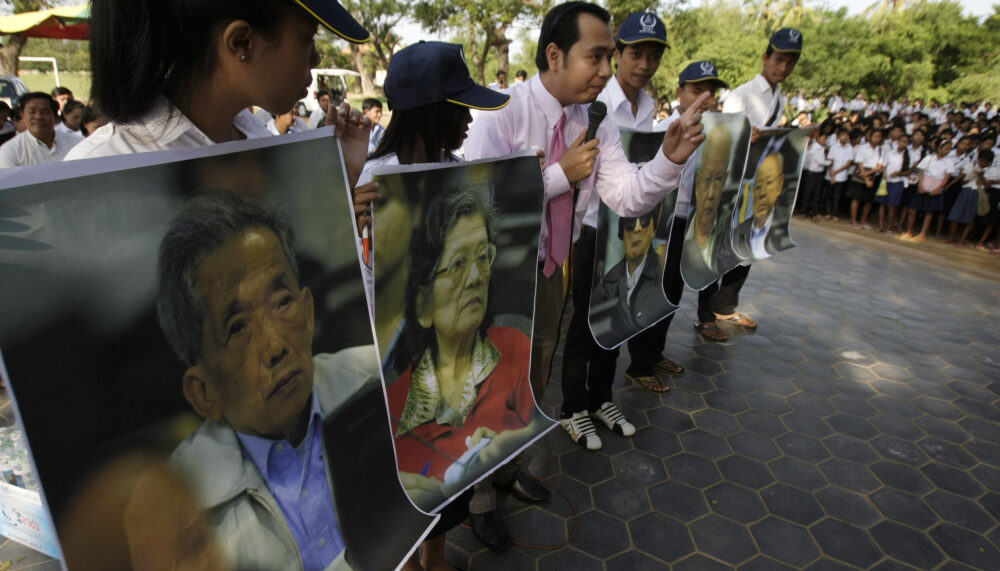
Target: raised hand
<point>685,134</point>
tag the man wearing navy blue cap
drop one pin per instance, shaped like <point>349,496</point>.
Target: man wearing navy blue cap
<point>762,101</point>
<point>549,112</point>
<point>588,371</point>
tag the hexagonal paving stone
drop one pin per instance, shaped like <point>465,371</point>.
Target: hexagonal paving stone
<point>705,445</point>
<point>735,502</point>
<point>601,535</point>
<point>891,372</point>
<point>852,405</point>
<point>817,383</point>
<point>661,537</point>
<point>984,451</point>
<point>895,406</point>
<point>694,382</point>
<point>806,424</point>
<point>671,420</point>
<point>659,443</point>
<point>678,500</point>
<point>766,402</point>
<point>699,562</point>
<point>785,542</point>
<point>846,542</point>
<point>577,496</point>
<point>848,506</point>
<point>894,389</point>
<point>744,471</point>
<point>725,401</point>
<point>947,452</point>
<point>959,511</point>
<point>802,447</point>
<point>692,470</point>
<point>893,448</point>
<point>633,561</point>
<point>687,399</point>
<point>936,407</point>
<point>852,449</point>
<point>907,545</point>
<point>988,476</point>
<point>851,425</point>
<point>849,475</point>
<point>965,546</point>
<point>810,404</point>
<point>489,561</point>
<point>901,477</point>
<point>536,527</point>
<point>716,422</point>
<point>991,502</point>
<point>723,539</point>
<point>638,468</point>
<point>898,427</point>
<point>569,558</point>
<point>942,429</point>
<point>797,473</point>
<point>754,446</point>
<point>904,508</point>
<point>621,499</point>
<point>586,466</point>
<point>791,504</point>
<point>761,423</point>
<point>952,479</point>
<point>764,564</point>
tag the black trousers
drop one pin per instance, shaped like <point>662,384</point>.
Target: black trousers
<point>588,371</point>
<point>836,191</point>
<point>723,296</point>
<point>812,192</point>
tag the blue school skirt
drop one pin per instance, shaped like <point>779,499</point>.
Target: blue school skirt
<point>928,203</point>
<point>895,195</point>
<point>964,211</point>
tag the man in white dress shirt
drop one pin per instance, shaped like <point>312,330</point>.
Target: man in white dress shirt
<point>549,112</point>
<point>588,371</point>
<point>40,142</point>
<point>762,101</point>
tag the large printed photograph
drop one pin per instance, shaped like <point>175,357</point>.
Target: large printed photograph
<point>713,185</point>
<point>192,359</point>
<point>768,191</point>
<point>627,294</point>
<point>455,260</point>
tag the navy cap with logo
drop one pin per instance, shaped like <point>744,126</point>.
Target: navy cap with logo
<point>337,19</point>
<point>432,72</point>
<point>642,27</point>
<point>700,71</point>
<point>787,41</point>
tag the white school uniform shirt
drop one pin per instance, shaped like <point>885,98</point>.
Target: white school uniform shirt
<point>959,162</point>
<point>316,116</point>
<point>529,121</point>
<point>62,128</point>
<point>298,126</point>
<point>757,101</point>
<point>683,203</point>
<point>969,172</point>
<point>840,155</point>
<point>935,166</point>
<point>161,128</point>
<point>620,113</point>
<point>915,158</point>
<point>835,104</point>
<point>815,160</point>
<point>26,149</point>
<point>868,156</point>
<point>894,163</point>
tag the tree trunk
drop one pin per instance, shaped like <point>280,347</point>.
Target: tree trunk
<point>367,82</point>
<point>503,50</point>
<point>9,52</point>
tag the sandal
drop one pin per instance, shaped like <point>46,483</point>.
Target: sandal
<point>652,384</point>
<point>669,367</point>
<point>739,320</point>
<point>710,331</point>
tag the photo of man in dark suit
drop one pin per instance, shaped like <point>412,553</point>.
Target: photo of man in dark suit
<point>759,236</point>
<point>703,237</point>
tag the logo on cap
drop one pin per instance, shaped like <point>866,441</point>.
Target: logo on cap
<point>707,68</point>
<point>794,35</point>
<point>648,22</point>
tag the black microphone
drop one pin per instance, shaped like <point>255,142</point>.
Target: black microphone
<point>597,112</point>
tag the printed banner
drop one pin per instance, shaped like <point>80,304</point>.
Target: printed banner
<point>767,194</point>
<point>191,356</point>
<point>455,259</point>
<point>627,294</point>
<point>713,185</point>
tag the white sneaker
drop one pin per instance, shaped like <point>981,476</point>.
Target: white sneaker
<point>614,419</point>
<point>582,430</point>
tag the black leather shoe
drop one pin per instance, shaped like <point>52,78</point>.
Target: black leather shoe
<point>490,529</point>
<point>528,489</point>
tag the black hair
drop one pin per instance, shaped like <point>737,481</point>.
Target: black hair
<point>521,73</point>
<point>57,91</point>
<point>430,128</point>
<point>90,114</point>
<point>986,154</point>
<point>561,27</point>
<point>323,92</point>
<point>53,104</point>
<point>370,103</point>
<point>4,108</point>
<point>71,106</point>
<point>501,72</point>
<point>140,49</point>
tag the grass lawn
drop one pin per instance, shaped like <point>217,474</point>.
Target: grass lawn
<point>77,81</point>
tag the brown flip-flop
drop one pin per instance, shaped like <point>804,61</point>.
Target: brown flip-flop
<point>711,332</point>
<point>669,367</point>
<point>652,384</point>
<point>739,320</point>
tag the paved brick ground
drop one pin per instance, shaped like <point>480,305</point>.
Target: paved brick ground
<point>859,428</point>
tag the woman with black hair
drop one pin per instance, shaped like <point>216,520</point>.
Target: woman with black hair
<point>182,73</point>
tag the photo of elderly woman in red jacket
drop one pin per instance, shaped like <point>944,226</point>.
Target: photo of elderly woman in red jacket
<point>463,402</point>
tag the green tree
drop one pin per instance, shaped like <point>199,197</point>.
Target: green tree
<point>481,24</point>
<point>380,18</point>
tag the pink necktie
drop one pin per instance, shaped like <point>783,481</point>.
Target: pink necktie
<point>559,216</point>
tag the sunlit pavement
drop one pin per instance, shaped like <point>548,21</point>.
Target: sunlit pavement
<point>858,428</point>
